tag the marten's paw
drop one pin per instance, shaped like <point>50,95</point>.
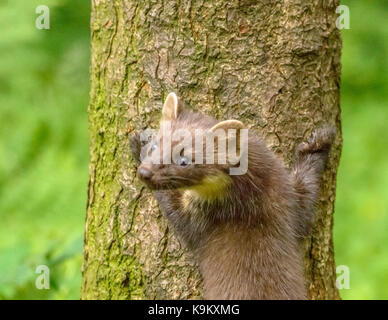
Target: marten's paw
<point>320,142</point>
<point>135,147</point>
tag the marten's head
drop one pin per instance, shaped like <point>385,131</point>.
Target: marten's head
<point>193,152</point>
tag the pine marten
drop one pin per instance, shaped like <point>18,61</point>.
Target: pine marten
<point>244,230</point>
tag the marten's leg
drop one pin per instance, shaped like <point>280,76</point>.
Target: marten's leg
<point>311,158</point>
<point>135,146</point>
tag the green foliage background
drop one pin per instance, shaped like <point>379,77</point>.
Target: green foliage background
<point>44,91</point>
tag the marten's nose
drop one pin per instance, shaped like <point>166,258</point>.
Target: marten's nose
<point>144,172</point>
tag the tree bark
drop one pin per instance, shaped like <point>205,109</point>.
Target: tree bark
<point>274,65</point>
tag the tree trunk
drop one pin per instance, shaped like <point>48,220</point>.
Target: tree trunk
<point>274,65</point>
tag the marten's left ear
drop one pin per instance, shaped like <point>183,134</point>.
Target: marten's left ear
<point>228,124</point>
<point>171,107</point>
<point>234,140</point>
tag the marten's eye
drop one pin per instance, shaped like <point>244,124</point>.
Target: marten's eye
<point>183,161</point>
<point>153,147</point>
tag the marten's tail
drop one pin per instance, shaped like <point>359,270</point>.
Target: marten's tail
<point>311,158</point>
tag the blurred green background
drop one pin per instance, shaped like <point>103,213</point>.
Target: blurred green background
<point>44,90</point>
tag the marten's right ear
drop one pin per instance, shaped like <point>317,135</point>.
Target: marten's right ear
<point>171,107</point>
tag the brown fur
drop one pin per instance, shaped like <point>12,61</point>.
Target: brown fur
<point>247,242</point>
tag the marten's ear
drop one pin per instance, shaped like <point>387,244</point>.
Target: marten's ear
<point>228,124</point>
<point>232,141</point>
<point>171,107</point>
